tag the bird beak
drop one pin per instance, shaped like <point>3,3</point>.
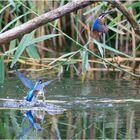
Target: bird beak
<point>108,12</point>
<point>105,13</point>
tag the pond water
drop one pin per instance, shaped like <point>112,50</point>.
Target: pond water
<point>98,109</point>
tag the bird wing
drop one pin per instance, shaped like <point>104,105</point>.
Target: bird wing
<point>40,86</point>
<point>27,82</point>
<point>98,26</point>
<point>95,25</point>
<point>30,95</point>
<point>102,28</point>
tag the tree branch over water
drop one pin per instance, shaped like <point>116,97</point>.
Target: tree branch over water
<point>43,19</point>
<point>57,13</point>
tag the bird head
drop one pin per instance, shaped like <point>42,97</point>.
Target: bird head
<point>102,15</point>
<point>98,25</point>
<point>39,81</point>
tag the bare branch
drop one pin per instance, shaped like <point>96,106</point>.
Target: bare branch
<point>57,13</point>
<point>43,19</point>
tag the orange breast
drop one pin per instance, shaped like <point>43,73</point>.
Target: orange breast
<point>102,20</point>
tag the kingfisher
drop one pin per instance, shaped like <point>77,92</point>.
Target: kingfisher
<point>35,88</point>
<point>98,25</point>
<point>31,93</point>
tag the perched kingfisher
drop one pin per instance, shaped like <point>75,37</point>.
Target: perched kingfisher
<point>98,26</point>
<point>35,88</point>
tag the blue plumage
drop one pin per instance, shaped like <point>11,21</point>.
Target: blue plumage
<point>98,26</point>
<point>29,84</point>
<point>30,95</point>
<point>37,86</point>
<point>32,121</point>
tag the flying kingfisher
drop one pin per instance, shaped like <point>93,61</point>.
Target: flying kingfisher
<point>31,93</point>
<point>35,88</point>
<point>98,25</point>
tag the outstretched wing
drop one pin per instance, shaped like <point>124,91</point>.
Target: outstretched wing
<point>28,83</point>
<point>40,86</point>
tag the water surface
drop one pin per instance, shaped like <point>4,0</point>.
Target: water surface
<point>72,110</point>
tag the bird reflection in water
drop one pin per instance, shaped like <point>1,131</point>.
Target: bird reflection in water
<point>34,122</point>
<point>35,118</point>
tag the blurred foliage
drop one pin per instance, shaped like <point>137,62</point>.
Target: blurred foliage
<point>68,35</point>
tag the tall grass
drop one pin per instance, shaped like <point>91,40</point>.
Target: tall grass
<point>68,42</point>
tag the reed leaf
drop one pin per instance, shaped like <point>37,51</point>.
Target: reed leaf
<point>21,47</point>
<point>94,11</point>
<point>11,51</point>
<point>56,21</point>
<point>138,47</point>
<point>100,50</point>
<point>13,21</point>
<point>12,3</point>
<point>63,56</point>
<point>2,72</point>
<point>133,5</point>
<point>42,38</point>
<point>27,41</point>
<point>13,43</point>
<point>116,30</point>
<point>115,19</point>
<point>110,48</point>
<point>96,8</point>
<point>85,63</point>
<point>12,46</point>
<point>32,52</point>
<point>76,21</point>
<point>8,5</point>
